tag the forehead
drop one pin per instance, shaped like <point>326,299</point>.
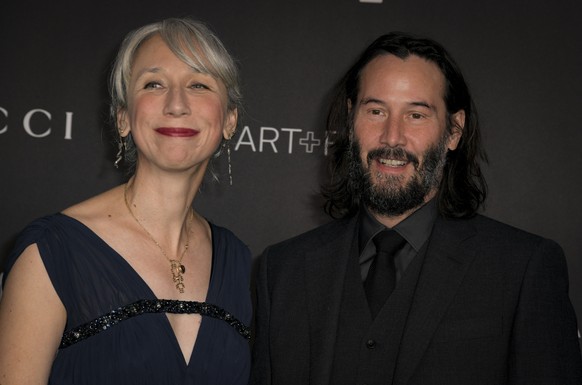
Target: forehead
<point>152,47</point>
<point>185,49</point>
<point>412,76</point>
<point>155,56</point>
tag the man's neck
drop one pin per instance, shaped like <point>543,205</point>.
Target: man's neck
<point>391,221</point>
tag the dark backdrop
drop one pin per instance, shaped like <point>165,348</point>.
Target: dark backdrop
<point>522,59</point>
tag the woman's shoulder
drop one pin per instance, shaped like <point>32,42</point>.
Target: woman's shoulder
<point>43,227</point>
<point>103,214</point>
<point>105,204</point>
<point>72,226</point>
<point>223,234</point>
<point>226,242</point>
<point>48,233</point>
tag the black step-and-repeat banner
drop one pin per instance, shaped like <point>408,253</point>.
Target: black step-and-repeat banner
<point>522,60</point>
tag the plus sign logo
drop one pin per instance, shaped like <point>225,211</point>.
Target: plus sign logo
<point>282,140</point>
<point>309,141</point>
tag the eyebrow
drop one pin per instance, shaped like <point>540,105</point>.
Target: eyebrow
<point>371,101</point>
<point>155,70</point>
<point>147,70</point>
<point>423,104</point>
<point>382,103</point>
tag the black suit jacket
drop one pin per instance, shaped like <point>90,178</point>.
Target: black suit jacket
<point>491,307</point>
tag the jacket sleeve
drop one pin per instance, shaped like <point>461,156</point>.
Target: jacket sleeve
<point>545,348</point>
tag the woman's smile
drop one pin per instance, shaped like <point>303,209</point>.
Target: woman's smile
<point>177,131</point>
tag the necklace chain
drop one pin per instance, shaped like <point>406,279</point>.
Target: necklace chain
<point>176,266</point>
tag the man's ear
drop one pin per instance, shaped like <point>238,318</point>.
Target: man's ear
<point>230,124</point>
<point>351,129</point>
<point>457,123</point>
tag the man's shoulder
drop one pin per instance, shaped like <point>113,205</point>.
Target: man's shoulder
<point>483,222</point>
<point>486,227</point>
<point>320,236</point>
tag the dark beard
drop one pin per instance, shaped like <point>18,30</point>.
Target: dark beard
<point>387,197</point>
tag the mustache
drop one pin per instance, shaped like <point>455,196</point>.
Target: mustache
<point>397,153</point>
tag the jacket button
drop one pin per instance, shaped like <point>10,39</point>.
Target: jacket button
<point>371,344</point>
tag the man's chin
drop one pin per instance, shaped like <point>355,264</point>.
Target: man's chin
<point>396,198</point>
<point>391,183</point>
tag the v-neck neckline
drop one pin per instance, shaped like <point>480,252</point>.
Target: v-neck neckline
<point>147,289</point>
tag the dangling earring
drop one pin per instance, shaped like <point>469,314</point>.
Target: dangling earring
<point>229,164</point>
<point>121,148</point>
<point>226,145</point>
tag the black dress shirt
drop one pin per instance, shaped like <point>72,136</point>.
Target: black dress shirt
<point>415,230</point>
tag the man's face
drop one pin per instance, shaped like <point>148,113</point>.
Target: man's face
<point>400,133</point>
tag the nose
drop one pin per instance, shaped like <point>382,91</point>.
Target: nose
<point>392,134</point>
<point>176,103</point>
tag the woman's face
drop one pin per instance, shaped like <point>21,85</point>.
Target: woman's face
<point>177,116</point>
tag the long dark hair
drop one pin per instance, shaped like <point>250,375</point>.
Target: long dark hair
<point>463,188</point>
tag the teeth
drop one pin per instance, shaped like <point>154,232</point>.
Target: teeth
<point>393,162</point>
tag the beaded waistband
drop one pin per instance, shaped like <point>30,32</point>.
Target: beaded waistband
<point>144,306</point>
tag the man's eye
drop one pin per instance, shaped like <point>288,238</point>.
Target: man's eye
<point>416,115</point>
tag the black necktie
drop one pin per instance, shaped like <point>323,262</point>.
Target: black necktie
<point>382,275</point>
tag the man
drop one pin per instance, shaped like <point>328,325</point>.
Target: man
<point>474,301</point>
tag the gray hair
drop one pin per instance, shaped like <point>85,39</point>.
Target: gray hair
<point>191,41</point>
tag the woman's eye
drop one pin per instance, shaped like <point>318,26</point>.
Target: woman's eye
<point>152,85</point>
<point>199,86</point>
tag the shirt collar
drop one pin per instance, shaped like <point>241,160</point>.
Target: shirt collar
<point>415,229</point>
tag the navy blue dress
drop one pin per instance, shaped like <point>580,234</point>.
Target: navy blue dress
<point>93,280</point>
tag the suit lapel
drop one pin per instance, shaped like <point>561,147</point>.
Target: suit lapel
<point>446,263</point>
<point>325,270</point>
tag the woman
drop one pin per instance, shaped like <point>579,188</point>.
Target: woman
<point>133,286</point>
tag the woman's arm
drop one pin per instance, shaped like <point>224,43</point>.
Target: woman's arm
<point>32,319</point>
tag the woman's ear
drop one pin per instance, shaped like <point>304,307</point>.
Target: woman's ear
<point>230,124</point>
<point>123,127</point>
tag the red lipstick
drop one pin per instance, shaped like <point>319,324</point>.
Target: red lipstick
<point>178,132</point>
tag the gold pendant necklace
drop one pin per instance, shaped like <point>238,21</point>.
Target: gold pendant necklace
<point>176,266</point>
